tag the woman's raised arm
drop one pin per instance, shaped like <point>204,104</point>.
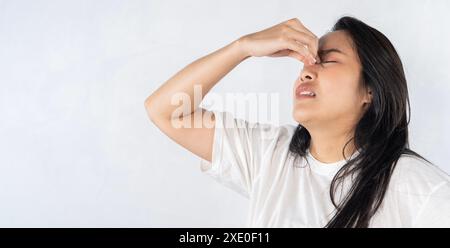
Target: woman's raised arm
<point>177,119</point>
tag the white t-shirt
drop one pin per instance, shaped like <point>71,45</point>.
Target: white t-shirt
<point>253,159</point>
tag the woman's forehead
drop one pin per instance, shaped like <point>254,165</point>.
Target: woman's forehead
<point>336,40</point>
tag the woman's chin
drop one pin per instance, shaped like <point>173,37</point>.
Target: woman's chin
<point>302,117</point>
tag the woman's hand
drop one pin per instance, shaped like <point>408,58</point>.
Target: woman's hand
<point>289,38</point>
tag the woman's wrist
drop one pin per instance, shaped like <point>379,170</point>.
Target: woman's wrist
<point>240,48</point>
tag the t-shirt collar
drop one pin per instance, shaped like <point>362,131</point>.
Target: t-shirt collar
<point>327,169</point>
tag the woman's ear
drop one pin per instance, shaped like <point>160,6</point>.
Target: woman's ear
<point>367,96</point>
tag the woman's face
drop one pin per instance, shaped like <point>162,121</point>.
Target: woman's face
<point>335,80</point>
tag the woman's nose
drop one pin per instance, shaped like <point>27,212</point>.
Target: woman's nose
<point>307,75</point>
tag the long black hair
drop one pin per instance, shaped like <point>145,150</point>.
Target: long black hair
<point>381,135</point>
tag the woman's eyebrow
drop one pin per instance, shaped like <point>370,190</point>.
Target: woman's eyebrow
<point>323,52</point>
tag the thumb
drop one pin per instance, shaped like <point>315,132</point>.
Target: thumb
<point>298,56</point>
<point>280,53</point>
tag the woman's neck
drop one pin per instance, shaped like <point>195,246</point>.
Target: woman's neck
<point>327,147</point>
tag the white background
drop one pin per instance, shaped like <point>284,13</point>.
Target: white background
<point>76,146</point>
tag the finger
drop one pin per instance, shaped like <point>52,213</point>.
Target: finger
<point>305,48</point>
<point>305,39</point>
<point>297,24</point>
<point>289,53</point>
<point>281,53</point>
<point>296,55</point>
<point>295,46</point>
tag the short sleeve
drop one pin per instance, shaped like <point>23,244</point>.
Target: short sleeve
<point>238,148</point>
<point>435,212</point>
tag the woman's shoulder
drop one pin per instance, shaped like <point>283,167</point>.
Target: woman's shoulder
<point>263,130</point>
<point>413,173</point>
<point>419,191</point>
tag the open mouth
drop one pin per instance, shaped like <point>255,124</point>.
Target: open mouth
<point>307,93</point>
<point>303,93</point>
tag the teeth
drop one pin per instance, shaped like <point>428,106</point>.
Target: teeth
<point>307,93</point>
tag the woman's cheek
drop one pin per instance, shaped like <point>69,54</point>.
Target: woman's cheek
<point>338,96</point>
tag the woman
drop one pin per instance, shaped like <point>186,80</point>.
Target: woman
<point>347,163</point>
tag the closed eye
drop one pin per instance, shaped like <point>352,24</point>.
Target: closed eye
<point>324,62</point>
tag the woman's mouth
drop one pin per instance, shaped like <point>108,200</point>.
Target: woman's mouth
<point>307,93</point>
<point>304,92</point>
